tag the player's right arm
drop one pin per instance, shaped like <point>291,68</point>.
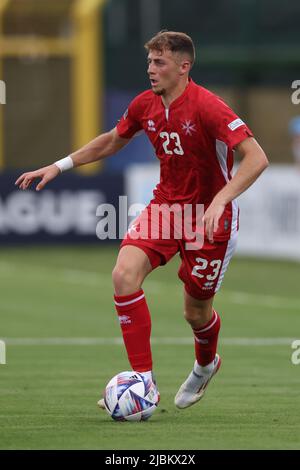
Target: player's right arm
<point>101,147</point>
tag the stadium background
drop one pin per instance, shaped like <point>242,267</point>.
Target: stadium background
<point>70,69</point>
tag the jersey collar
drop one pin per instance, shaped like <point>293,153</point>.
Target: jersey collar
<point>179,100</point>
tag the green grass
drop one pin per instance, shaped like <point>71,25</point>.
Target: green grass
<point>48,393</point>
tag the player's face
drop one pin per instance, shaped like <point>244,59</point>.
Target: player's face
<point>164,70</point>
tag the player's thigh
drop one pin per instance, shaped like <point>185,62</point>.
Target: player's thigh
<point>133,258</point>
<point>203,271</point>
<point>146,233</point>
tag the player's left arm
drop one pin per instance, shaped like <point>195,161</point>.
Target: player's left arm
<point>254,162</point>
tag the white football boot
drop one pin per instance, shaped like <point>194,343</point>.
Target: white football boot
<point>193,389</point>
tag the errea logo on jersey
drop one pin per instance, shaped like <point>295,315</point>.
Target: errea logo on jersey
<point>151,126</point>
<point>235,124</point>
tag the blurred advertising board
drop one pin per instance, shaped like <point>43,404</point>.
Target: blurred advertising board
<point>269,210</point>
<point>65,211</point>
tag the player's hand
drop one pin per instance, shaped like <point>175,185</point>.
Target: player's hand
<point>45,174</point>
<point>211,218</point>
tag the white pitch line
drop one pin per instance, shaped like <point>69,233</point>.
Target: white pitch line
<point>159,341</point>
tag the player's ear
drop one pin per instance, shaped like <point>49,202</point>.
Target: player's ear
<point>185,67</point>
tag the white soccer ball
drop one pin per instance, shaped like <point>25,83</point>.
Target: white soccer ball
<point>129,396</point>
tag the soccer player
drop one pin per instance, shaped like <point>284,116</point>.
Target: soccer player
<point>194,134</point>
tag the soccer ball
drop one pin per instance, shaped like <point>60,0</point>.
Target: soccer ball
<point>129,396</point>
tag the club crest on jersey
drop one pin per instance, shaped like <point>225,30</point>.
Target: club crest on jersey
<point>188,127</point>
<point>151,125</point>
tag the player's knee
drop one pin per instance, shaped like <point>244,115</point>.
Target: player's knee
<point>190,315</point>
<point>126,279</point>
<point>196,317</point>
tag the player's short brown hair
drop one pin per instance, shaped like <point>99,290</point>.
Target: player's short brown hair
<point>173,41</point>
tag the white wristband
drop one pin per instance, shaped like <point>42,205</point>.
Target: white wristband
<point>65,164</point>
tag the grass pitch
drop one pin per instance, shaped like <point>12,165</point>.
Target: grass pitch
<point>60,327</point>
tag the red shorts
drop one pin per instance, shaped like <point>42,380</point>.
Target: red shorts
<point>202,270</point>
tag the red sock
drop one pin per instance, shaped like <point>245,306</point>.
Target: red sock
<point>135,321</point>
<point>206,340</point>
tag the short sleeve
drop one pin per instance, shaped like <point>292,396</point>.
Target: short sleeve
<point>129,123</point>
<point>222,123</point>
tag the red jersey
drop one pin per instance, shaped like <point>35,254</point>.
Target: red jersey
<point>194,140</point>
